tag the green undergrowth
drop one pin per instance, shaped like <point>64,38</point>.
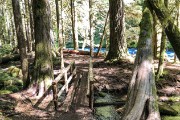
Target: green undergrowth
<point>5,49</point>
<point>174,99</point>
<point>175,106</point>
<point>10,80</point>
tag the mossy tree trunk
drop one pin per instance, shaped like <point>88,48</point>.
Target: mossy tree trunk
<point>142,102</point>
<point>164,16</point>
<point>43,57</point>
<point>118,45</point>
<point>21,41</point>
<point>155,32</point>
<point>162,56</point>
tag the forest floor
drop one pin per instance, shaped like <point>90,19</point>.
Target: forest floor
<point>108,77</point>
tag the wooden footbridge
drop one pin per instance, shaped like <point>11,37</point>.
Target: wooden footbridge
<point>78,87</point>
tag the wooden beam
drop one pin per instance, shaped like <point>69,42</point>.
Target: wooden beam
<point>70,95</point>
<point>63,71</point>
<point>69,79</point>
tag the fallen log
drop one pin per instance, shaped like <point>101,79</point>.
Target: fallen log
<point>80,52</point>
<point>9,58</point>
<point>116,103</point>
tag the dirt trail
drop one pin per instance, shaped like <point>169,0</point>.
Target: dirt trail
<point>109,77</point>
<point>17,107</point>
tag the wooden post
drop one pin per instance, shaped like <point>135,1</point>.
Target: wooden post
<point>65,77</point>
<point>91,97</point>
<point>55,98</point>
<point>90,91</point>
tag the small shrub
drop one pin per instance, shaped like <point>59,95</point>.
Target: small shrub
<point>12,88</point>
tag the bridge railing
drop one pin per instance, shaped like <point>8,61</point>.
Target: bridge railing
<point>63,73</point>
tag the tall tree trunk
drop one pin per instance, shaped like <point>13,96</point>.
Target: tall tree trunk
<point>31,24</point>
<point>164,16</point>
<point>21,41</point>
<point>75,41</point>
<point>162,56</point>
<point>7,24</point>
<point>76,24</point>
<point>43,55</point>
<point>118,45</point>
<point>142,102</point>
<point>85,21</point>
<point>62,25</point>
<point>57,21</point>
<point>103,35</point>
<point>59,38</point>
<point>178,25</point>
<point>85,38</point>
<point>91,36</point>
<point>162,51</point>
<point>155,35</point>
<point>27,26</point>
<point>13,41</point>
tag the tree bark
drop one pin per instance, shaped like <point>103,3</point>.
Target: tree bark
<point>43,56</point>
<point>142,102</point>
<point>164,16</point>
<point>21,41</point>
<point>118,46</point>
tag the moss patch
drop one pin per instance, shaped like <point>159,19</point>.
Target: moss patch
<point>106,113</point>
<point>165,109</point>
<point>174,98</point>
<point>9,82</point>
<point>171,118</point>
<point>176,106</point>
<point>5,92</point>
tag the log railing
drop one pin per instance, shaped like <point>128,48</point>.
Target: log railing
<point>63,73</point>
<point>90,91</point>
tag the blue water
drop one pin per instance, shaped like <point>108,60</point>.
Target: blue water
<point>131,51</point>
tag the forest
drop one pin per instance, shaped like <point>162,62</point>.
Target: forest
<point>90,59</point>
